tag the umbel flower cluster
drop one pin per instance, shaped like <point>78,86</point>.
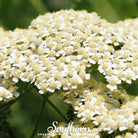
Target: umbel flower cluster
<point>60,51</point>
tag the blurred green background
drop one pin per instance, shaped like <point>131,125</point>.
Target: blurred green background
<point>19,13</point>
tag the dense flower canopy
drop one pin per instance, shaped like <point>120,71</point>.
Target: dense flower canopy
<point>60,50</point>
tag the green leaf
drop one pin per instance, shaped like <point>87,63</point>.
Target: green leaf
<point>133,89</point>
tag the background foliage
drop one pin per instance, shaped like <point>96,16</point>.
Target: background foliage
<point>19,13</point>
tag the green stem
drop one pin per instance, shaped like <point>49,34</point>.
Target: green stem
<point>39,117</point>
<point>10,103</point>
<point>59,112</point>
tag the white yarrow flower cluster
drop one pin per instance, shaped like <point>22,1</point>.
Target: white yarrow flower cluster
<point>61,50</point>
